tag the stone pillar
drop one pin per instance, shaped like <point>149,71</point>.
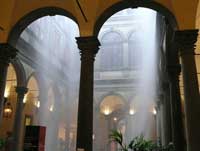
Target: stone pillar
<point>173,70</point>
<point>7,53</point>
<point>158,122</point>
<point>88,48</point>
<point>186,44</point>
<point>162,119</point>
<point>176,112</point>
<point>17,129</point>
<point>167,134</point>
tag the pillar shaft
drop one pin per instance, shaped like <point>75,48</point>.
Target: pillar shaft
<point>186,44</point>
<point>176,111</point>
<point>158,123</point>
<point>162,119</point>
<point>173,69</point>
<point>88,48</point>
<point>17,129</point>
<point>6,54</point>
<point>166,115</point>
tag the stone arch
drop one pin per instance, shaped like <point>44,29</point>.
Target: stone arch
<point>42,85</point>
<point>31,17</point>
<point>20,72</point>
<point>134,4</point>
<point>32,101</point>
<point>39,80</point>
<point>11,82</point>
<point>112,94</point>
<point>123,37</point>
<point>35,83</point>
<point>110,39</point>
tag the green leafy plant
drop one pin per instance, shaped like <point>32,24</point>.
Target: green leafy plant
<point>117,137</point>
<point>138,143</point>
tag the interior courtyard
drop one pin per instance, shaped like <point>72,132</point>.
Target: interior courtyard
<point>73,72</point>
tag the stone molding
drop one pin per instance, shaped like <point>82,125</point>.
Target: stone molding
<point>21,90</point>
<point>185,40</point>
<point>88,46</point>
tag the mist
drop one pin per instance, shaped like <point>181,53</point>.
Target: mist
<point>51,41</point>
<point>126,78</point>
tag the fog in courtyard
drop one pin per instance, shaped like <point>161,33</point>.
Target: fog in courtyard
<point>125,78</point>
<point>52,42</point>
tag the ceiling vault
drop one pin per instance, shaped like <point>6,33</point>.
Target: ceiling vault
<point>82,12</point>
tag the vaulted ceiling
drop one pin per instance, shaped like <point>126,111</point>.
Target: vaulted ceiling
<point>87,12</point>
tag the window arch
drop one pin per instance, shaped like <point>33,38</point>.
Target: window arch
<point>111,52</point>
<point>134,51</point>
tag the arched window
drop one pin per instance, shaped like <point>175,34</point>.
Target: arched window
<point>32,102</point>
<point>135,52</point>
<point>111,52</point>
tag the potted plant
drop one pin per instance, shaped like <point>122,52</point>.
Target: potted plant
<point>138,143</point>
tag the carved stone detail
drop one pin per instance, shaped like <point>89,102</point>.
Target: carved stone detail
<point>88,46</point>
<point>186,40</point>
<point>21,90</point>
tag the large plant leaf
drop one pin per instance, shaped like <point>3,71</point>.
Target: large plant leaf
<point>116,136</point>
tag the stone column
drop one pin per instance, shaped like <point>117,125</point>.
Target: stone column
<point>158,122</point>
<point>166,115</point>
<point>7,53</point>
<point>173,70</point>
<point>88,48</point>
<point>162,119</point>
<point>17,129</point>
<point>186,44</point>
<point>176,112</point>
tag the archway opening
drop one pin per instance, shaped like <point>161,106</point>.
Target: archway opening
<point>129,63</point>
<point>10,97</point>
<point>31,103</point>
<point>47,48</point>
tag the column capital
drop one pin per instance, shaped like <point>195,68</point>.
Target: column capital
<point>7,52</point>
<point>21,90</point>
<point>185,40</point>
<point>88,46</point>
